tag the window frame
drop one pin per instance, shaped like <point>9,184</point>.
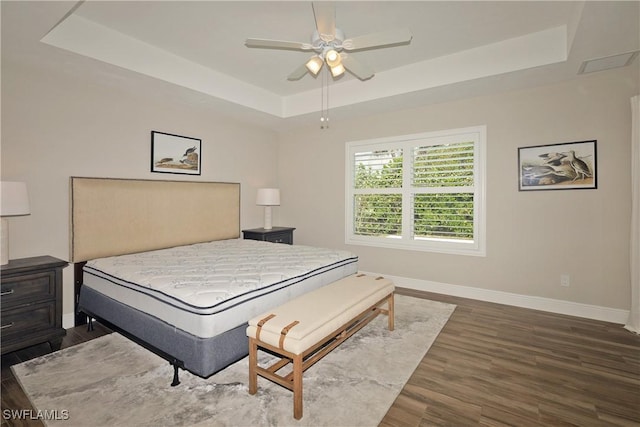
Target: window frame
<point>476,247</point>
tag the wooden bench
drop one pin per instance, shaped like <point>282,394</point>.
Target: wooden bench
<point>305,329</point>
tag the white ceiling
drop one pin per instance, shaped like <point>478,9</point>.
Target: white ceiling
<point>194,53</point>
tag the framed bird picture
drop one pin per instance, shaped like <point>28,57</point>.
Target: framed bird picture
<point>569,165</point>
<point>175,154</point>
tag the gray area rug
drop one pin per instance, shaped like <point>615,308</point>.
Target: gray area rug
<point>111,381</point>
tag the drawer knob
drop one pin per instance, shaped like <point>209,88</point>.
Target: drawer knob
<point>6,326</point>
<point>9,292</point>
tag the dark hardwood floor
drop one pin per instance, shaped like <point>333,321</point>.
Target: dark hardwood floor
<point>496,365</point>
<point>492,365</point>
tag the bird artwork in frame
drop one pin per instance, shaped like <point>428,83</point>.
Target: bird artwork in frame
<point>564,166</point>
<point>175,154</point>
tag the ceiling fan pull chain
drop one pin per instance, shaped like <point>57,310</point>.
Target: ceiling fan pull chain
<point>326,115</point>
<point>324,99</point>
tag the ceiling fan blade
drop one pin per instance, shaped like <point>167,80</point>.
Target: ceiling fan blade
<point>358,69</point>
<point>376,40</point>
<point>298,73</point>
<point>277,44</point>
<point>324,13</point>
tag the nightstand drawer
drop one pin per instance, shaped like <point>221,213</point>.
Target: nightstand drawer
<point>274,235</point>
<point>286,237</point>
<point>27,288</point>
<point>27,319</point>
<point>31,303</point>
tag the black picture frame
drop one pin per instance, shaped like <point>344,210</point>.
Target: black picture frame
<point>178,154</point>
<point>563,166</point>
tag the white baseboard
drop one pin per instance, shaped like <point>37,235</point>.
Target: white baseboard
<point>68,320</point>
<point>569,308</point>
<point>595,312</point>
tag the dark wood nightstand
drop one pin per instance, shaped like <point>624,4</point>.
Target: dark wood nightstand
<point>275,234</point>
<point>31,299</point>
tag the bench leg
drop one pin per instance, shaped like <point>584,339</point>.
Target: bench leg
<point>253,363</point>
<point>390,314</point>
<point>297,386</point>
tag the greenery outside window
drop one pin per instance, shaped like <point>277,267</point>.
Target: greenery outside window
<point>419,192</point>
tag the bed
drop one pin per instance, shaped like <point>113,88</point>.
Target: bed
<point>162,262</point>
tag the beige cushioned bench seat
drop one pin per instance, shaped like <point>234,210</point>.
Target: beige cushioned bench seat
<point>320,312</point>
<point>305,329</point>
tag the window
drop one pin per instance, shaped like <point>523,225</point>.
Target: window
<point>420,192</point>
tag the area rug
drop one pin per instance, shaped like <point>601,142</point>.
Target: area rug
<point>110,381</point>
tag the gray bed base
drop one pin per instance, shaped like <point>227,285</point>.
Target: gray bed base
<point>201,356</point>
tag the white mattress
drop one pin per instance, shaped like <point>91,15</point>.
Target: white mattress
<point>208,288</point>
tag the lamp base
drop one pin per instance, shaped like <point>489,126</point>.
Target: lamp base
<point>267,218</point>
<point>4,242</point>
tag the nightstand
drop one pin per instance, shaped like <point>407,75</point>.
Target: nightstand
<point>31,298</point>
<point>275,234</point>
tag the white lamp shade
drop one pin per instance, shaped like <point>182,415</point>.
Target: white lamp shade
<point>333,58</point>
<point>14,199</point>
<point>314,65</point>
<point>337,70</point>
<point>268,197</point>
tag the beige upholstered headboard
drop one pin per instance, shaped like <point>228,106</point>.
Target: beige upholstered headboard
<point>112,216</point>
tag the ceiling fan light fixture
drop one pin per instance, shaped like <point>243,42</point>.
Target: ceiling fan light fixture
<point>314,65</point>
<point>332,57</point>
<point>337,70</point>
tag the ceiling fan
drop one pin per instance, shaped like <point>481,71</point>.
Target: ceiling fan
<point>331,47</point>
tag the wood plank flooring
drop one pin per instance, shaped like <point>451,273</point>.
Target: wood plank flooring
<point>495,365</point>
<point>492,365</point>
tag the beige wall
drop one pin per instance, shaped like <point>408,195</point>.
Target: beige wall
<point>54,127</point>
<point>532,237</point>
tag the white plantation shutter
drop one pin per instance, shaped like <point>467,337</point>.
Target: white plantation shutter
<point>380,162</point>
<point>444,165</point>
<point>442,197</point>
<point>367,223</point>
<point>421,192</point>
<point>378,181</point>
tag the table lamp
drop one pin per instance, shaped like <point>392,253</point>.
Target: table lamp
<point>268,197</point>
<point>14,201</point>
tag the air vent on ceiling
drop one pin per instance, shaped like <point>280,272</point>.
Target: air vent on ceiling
<point>608,62</point>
